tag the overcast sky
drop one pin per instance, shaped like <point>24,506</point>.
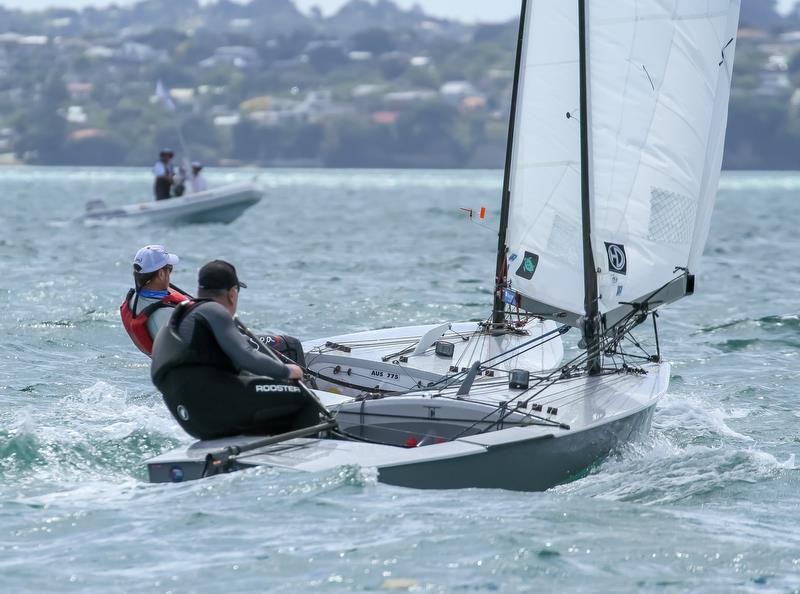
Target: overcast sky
<point>468,10</point>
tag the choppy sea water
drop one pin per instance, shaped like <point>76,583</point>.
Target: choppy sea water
<point>708,503</point>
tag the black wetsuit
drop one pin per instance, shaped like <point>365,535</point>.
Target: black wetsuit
<point>202,364</point>
<point>163,185</point>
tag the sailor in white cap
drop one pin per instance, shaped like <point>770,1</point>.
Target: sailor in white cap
<point>148,306</point>
<point>197,182</point>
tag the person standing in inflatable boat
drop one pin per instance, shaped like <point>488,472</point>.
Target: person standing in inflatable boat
<point>148,306</point>
<point>214,380</point>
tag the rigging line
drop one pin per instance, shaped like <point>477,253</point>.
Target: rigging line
<point>472,349</point>
<point>379,342</point>
<point>562,397</point>
<point>544,338</point>
<point>544,385</point>
<point>633,340</point>
<point>553,382</point>
<point>518,396</point>
<point>569,394</point>
<point>376,344</point>
<point>510,354</point>
<point>551,335</point>
<point>344,435</point>
<point>563,402</point>
<point>476,336</point>
<point>484,226</point>
<point>419,417</point>
<point>462,336</point>
<point>574,394</point>
<point>634,356</point>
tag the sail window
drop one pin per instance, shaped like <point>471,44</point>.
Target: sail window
<point>672,216</point>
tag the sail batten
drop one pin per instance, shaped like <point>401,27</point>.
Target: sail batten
<point>657,82</point>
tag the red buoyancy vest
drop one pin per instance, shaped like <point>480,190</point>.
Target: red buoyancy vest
<point>136,324</point>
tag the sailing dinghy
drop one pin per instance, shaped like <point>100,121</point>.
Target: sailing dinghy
<point>223,204</point>
<point>615,147</point>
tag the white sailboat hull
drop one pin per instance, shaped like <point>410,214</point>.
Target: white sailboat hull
<point>385,360</point>
<point>593,416</point>
<point>223,204</point>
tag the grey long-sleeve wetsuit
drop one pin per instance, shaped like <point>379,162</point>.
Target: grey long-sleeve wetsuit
<point>240,349</point>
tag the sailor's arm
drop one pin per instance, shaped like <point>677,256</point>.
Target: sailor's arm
<point>157,320</point>
<point>239,348</point>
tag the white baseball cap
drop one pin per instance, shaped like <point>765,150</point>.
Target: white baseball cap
<point>154,257</point>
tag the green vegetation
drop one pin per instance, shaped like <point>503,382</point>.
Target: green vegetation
<point>262,83</point>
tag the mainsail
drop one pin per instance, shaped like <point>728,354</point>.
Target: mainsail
<point>658,76</point>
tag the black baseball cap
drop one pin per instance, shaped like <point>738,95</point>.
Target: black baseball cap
<point>218,274</point>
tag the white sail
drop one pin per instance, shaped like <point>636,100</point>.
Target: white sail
<point>658,84</point>
<point>544,220</point>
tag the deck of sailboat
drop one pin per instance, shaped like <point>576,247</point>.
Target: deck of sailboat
<point>386,359</point>
<point>594,415</point>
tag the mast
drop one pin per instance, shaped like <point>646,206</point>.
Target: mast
<point>591,330</point>
<point>498,312</point>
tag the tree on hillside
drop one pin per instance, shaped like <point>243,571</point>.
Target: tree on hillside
<point>428,128</point>
<point>375,40</point>
<point>355,143</point>
<point>42,130</point>
<point>101,149</point>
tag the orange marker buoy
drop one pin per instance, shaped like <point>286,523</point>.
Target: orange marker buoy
<point>483,212</point>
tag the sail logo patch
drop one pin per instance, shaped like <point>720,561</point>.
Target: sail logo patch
<point>617,260</point>
<point>529,264</point>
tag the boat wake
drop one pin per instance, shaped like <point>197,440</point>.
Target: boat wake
<point>691,455</point>
<point>100,433</point>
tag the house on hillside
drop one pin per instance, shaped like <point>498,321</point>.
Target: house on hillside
<point>79,91</point>
<point>238,56</point>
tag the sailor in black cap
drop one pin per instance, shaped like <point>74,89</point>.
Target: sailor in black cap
<point>164,174</point>
<point>215,380</point>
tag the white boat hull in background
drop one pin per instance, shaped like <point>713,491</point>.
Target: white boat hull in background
<point>223,204</point>
<point>394,360</point>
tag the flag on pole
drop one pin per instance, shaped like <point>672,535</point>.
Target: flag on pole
<point>164,96</point>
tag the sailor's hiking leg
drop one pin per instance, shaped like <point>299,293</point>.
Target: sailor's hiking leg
<point>210,403</point>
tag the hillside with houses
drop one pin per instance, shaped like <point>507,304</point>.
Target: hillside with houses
<point>264,84</point>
